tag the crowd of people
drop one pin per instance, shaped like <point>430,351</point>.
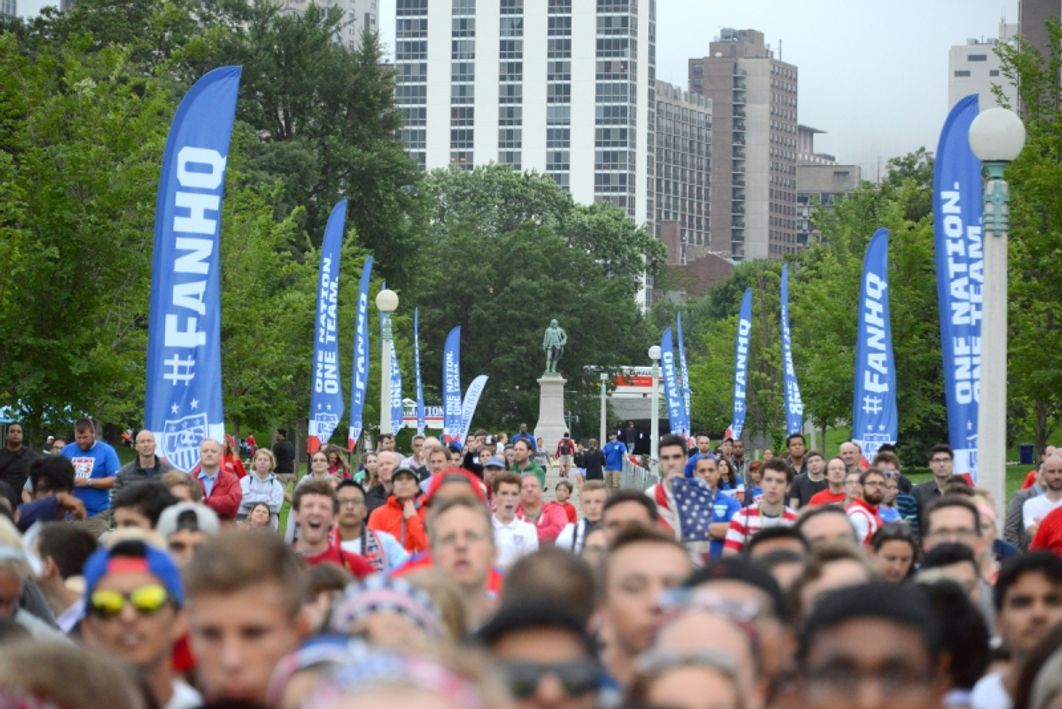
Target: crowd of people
<point>498,574</point>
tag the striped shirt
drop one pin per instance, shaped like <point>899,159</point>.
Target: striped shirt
<point>749,520</point>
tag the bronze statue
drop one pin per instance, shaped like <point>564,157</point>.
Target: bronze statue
<point>553,343</point>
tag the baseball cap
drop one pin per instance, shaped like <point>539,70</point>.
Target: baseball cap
<point>451,475</point>
<point>188,515</point>
<point>134,555</point>
<point>495,462</point>
<point>405,470</point>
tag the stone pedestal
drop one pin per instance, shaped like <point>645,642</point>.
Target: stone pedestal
<point>550,427</point>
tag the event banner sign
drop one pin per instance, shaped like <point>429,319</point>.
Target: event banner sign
<point>452,387</point>
<point>183,396</point>
<point>874,419</point>
<point>326,396</point>
<point>741,365</point>
<point>421,424</point>
<point>960,278</point>
<point>396,388</point>
<point>470,402</point>
<point>794,407</point>
<point>684,381</point>
<point>671,382</point>
<point>359,381</point>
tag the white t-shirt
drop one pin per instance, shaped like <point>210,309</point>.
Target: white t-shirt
<point>1036,508</point>
<point>513,540</point>
<point>989,693</point>
<point>183,697</point>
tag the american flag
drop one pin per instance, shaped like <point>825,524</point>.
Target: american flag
<point>693,498</point>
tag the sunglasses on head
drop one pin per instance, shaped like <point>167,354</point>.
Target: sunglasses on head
<point>576,678</point>
<point>147,600</point>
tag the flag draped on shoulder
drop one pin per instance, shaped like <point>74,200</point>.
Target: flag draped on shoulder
<point>326,395</point>
<point>874,419</point>
<point>359,378</point>
<point>957,211</point>
<point>183,395</point>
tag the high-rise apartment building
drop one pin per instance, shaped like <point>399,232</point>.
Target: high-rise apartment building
<point>8,8</point>
<point>359,15</point>
<point>973,68</point>
<point>821,183</point>
<point>564,87</point>
<point>1032,22</point>
<point>682,139</point>
<point>754,145</point>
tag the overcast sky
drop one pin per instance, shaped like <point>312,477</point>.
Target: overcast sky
<point>873,75</point>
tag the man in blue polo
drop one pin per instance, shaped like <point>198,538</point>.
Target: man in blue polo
<point>95,472</point>
<point>724,507</point>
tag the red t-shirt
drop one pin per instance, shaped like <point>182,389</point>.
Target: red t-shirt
<point>825,497</point>
<point>354,563</point>
<point>569,509</point>
<point>1049,533</point>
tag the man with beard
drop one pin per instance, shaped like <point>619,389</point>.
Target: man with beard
<point>315,507</point>
<point>863,512</point>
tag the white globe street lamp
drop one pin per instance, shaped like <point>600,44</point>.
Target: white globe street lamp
<point>996,138</point>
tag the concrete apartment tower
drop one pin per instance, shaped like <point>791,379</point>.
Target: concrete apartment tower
<point>564,87</point>
<point>359,14</point>
<point>754,145</point>
<point>973,68</point>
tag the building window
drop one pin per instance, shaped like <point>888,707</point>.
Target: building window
<point>510,115</point>
<point>559,48</point>
<point>460,93</point>
<point>614,24</point>
<point>511,26</point>
<point>511,7</point>
<point>509,138</point>
<point>558,160</point>
<point>558,137</point>
<point>560,25</point>
<point>461,138</point>
<point>510,158</point>
<point>558,93</point>
<point>962,72</point>
<point>411,7</point>
<point>464,7</point>
<point>977,58</point>
<point>510,93</point>
<point>558,115</point>
<point>463,49</point>
<point>510,71</point>
<point>405,51</point>
<point>416,27</point>
<point>614,5</point>
<point>993,72</point>
<point>461,158</point>
<point>462,115</point>
<point>613,48</point>
<point>463,71</point>
<point>559,70</point>
<point>511,48</point>
<point>464,27</point>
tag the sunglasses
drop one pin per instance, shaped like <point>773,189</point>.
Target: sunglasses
<point>576,678</point>
<point>147,600</point>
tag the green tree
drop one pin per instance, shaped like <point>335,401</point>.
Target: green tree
<point>1035,274</point>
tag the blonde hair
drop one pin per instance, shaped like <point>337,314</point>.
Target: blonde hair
<point>269,454</point>
<point>175,478</point>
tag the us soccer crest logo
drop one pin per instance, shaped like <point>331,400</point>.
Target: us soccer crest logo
<point>181,438</point>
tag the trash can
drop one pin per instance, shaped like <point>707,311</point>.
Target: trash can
<point>1025,454</point>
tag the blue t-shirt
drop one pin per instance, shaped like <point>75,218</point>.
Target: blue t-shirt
<point>889,514</point>
<point>614,452</point>
<point>724,507</point>
<point>691,464</point>
<point>99,461</point>
<point>524,437</point>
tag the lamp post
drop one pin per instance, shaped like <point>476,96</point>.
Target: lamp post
<point>996,137</point>
<point>386,303</point>
<point>654,428</point>
<point>604,410</point>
